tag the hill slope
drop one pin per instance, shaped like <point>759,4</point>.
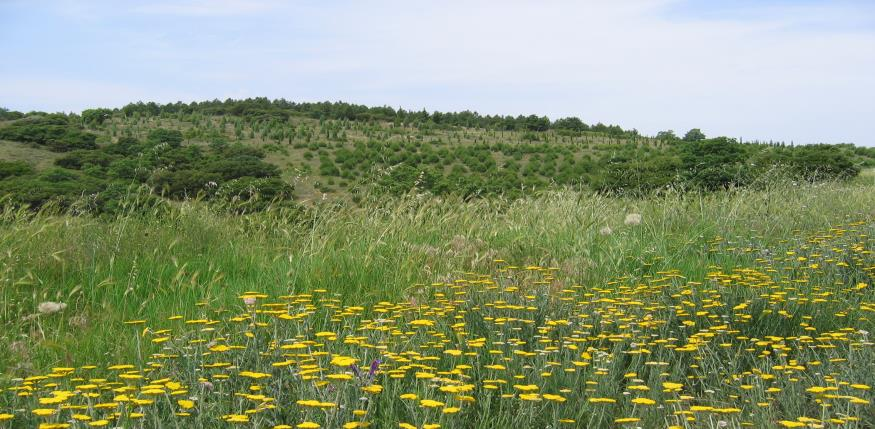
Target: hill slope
<point>275,149</point>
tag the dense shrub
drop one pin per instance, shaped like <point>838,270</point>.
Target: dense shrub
<point>241,166</point>
<point>173,138</point>
<point>180,184</point>
<point>96,117</point>
<point>819,162</point>
<point>52,131</point>
<point>640,175</point>
<point>97,176</point>
<point>9,115</point>
<point>56,185</point>
<point>126,146</point>
<point>255,194</point>
<point>80,158</point>
<point>713,164</point>
<point>14,168</point>
<point>120,199</point>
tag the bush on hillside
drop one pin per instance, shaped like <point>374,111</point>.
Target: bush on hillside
<point>56,185</point>
<point>823,162</point>
<point>714,164</point>
<point>122,199</point>
<point>255,194</point>
<point>78,159</point>
<point>9,115</point>
<point>14,168</point>
<point>173,138</point>
<point>52,131</point>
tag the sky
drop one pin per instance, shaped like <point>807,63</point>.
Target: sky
<point>783,70</point>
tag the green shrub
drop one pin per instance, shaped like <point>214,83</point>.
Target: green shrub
<point>56,185</point>
<point>14,168</point>
<point>9,115</point>
<point>163,135</point>
<point>255,194</point>
<point>240,166</point>
<point>823,162</point>
<point>78,158</point>
<point>52,131</point>
<point>124,199</point>
<point>181,184</point>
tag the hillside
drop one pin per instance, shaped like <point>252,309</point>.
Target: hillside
<point>249,150</point>
<point>567,309</point>
<point>267,264</point>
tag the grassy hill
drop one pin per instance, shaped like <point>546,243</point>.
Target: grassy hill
<point>337,150</point>
<point>272,264</point>
<point>333,156</point>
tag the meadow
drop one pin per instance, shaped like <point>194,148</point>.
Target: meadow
<point>747,307</point>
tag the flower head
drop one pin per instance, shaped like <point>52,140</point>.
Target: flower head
<point>50,307</point>
<point>632,219</point>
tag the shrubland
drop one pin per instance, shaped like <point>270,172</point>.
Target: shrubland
<point>304,152</point>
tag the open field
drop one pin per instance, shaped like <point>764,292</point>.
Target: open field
<point>743,308</point>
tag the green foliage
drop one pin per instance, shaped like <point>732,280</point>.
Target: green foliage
<point>641,175</point>
<point>327,167</point>
<point>720,163</point>
<point>9,115</point>
<point>667,135</point>
<point>96,117</point>
<point>98,176</point>
<point>191,150</point>
<point>240,166</point>
<point>694,135</point>
<point>79,159</point>
<point>172,138</point>
<point>263,109</point>
<point>256,194</point>
<point>14,168</point>
<point>714,164</point>
<point>124,199</point>
<point>52,131</point>
<point>820,162</point>
<point>184,183</point>
<point>535,123</point>
<point>58,186</point>
<point>572,123</point>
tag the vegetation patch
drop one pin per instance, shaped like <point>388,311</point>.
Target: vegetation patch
<point>340,150</point>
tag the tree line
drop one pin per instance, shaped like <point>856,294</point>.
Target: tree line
<point>263,108</point>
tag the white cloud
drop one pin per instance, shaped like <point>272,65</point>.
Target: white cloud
<point>780,71</point>
<point>623,64</point>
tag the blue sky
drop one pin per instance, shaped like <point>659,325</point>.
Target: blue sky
<point>773,70</point>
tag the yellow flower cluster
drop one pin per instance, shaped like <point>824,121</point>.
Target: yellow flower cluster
<point>733,341</point>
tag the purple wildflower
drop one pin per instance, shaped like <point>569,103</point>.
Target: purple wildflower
<point>375,366</point>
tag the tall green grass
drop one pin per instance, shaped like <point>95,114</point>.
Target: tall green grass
<point>170,261</point>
